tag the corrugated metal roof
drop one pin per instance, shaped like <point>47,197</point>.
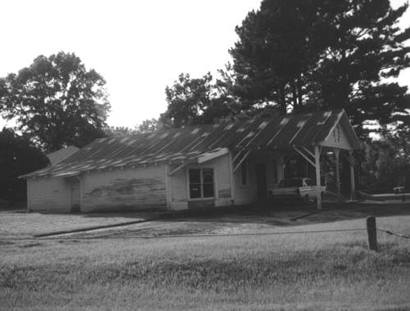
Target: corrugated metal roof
<point>61,155</point>
<point>186,145</point>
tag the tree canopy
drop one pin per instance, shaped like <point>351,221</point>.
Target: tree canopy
<point>18,156</point>
<point>198,100</point>
<point>320,54</point>
<point>56,101</point>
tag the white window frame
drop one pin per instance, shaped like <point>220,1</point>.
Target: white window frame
<point>202,183</point>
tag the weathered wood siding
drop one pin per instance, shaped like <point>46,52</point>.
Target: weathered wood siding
<point>48,194</point>
<point>245,194</point>
<point>178,185</point>
<point>337,139</point>
<point>129,188</point>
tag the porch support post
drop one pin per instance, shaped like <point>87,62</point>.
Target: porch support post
<point>281,167</point>
<point>352,181</point>
<point>317,166</point>
<point>337,155</point>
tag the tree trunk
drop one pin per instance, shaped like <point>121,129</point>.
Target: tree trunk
<point>300,92</point>
<point>282,99</point>
<point>294,95</point>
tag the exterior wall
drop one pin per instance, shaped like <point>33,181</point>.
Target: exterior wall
<point>48,194</point>
<point>246,194</point>
<point>129,188</point>
<point>337,139</point>
<point>152,187</point>
<point>178,186</point>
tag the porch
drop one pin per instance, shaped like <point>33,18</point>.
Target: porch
<point>326,159</point>
<point>263,170</point>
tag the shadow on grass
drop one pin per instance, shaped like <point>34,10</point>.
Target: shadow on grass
<point>287,215</point>
<point>291,215</point>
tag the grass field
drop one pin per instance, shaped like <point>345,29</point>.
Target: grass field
<point>146,267</point>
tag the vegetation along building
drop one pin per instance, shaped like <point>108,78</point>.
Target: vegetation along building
<point>229,163</point>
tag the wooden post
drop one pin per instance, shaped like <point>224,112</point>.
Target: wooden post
<point>372,233</point>
<point>352,181</point>
<point>281,167</point>
<point>318,182</point>
<point>337,155</point>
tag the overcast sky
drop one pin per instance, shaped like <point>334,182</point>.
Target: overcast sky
<point>139,47</point>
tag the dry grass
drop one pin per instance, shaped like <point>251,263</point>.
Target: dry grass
<point>322,271</point>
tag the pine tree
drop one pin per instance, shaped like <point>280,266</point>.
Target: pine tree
<point>324,54</point>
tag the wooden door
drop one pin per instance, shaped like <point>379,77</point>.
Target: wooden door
<point>75,196</point>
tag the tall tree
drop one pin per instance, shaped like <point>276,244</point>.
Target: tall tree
<point>195,101</point>
<point>17,157</point>
<point>56,101</point>
<point>366,48</point>
<point>316,54</point>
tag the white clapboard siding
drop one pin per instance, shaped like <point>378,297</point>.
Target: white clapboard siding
<point>129,188</point>
<point>48,194</point>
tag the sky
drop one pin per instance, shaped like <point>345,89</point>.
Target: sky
<point>139,47</point>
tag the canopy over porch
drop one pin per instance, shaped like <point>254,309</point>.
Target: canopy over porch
<point>307,135</point>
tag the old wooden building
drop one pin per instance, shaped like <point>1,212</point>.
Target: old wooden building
<point>229,163</point>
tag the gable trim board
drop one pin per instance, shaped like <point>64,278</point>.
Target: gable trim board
<point>150,170</point>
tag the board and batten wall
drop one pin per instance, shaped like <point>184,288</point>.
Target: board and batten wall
<point>128,188</point>
<point>178,186</point>
<point>48,195</point>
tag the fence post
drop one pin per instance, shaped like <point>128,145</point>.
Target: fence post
<point>371,233</point>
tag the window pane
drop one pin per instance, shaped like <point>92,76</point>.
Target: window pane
<point>194,176</point>
<point>208,190</point>
<point>195,191</point>
<point>208,175</point>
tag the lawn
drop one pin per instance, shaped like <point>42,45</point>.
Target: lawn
<point>23,225</point>
<point>180,264</point>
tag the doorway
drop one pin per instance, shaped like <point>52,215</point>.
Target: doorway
<point>261,187</point>
<point>75,196</point>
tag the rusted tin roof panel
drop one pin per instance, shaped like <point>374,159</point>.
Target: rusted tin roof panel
<point>189,143</point>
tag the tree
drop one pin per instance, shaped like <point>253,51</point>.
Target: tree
<point>321,54</point>
<point>56,101</point>
<point>367,47</point>
<point>197,101</point>
<point>149,126</point>
<point>119,131</point>
<point>17,157</point>
<point>386,164</point>
<point>277,46</point>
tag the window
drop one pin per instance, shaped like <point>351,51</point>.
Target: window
<point>244,173</point>
<point>201,183</point>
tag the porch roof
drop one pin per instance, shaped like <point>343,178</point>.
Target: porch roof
<point>195,143</point>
